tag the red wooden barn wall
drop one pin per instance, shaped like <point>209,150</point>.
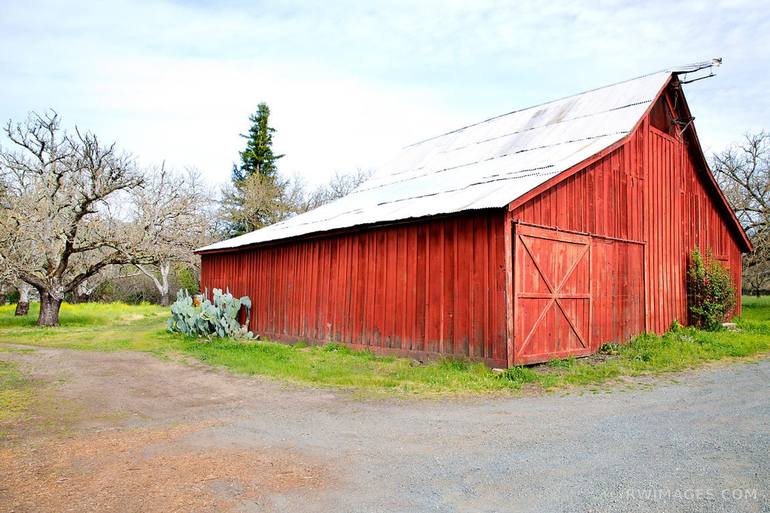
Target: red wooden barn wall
<point>650,190</point>
<point>436,286</point>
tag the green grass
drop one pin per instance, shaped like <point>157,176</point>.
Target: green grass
<point>92,326</point>
<point>109,327</point>
<point>16,392</point>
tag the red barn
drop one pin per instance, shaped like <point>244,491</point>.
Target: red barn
<point>541,233</point>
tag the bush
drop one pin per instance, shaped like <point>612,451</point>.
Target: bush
<point>219,318</point>
<point>711,291</point>
<point>187,279</point>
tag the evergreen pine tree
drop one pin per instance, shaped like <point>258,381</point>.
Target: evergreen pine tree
<point>258,157</point>
<point>254,200</point>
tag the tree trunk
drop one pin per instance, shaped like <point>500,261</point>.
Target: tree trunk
<point>22,306</point>
<point>22,309</point>
<point>165,269</point>
<point>49,309</point>
<point>162,284</point>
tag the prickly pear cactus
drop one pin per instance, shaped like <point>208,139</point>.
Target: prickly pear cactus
<point>212,318</point>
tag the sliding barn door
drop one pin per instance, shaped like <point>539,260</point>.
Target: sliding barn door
<point>552,294</point>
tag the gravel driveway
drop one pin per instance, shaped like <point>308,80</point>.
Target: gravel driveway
<point>141,434</point>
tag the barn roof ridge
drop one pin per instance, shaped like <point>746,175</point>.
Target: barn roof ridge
<point>524,109</point>
<point>684,68</point>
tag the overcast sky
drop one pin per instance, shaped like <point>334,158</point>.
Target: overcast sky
<point>350,82</point>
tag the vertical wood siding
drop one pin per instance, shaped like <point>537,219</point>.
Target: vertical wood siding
<point>649,191</point>
<point>682,215</point>
<point>617,301</point>
<point>430,287</point>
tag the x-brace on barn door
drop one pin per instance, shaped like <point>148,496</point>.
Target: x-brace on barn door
<point>552,294</point>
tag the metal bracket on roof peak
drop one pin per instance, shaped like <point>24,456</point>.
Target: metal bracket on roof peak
<point>712,74</point>
<point>699,66</point>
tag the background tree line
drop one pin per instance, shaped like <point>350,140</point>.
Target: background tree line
<point>81,220</point>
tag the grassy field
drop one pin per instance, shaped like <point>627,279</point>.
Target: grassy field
<point>110,327</point>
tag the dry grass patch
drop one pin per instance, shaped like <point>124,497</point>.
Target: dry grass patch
<point>145,470</point>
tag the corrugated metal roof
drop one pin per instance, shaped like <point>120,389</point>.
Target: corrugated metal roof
<point>484,165</point>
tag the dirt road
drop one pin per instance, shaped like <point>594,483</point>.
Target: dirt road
<point>127,432</point>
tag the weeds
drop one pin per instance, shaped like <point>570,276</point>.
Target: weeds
<point>610,349</point>
<point>562,364</point>
<point>519,375</point>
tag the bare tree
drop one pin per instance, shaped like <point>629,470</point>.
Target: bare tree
<point>7,272</point>
<point>84,291</point>
<point>756,266</point>
<point>58,227</point>
<point>743,172</point>
<point>171,219</point>
<point>341,184</point>
<point>7,279</point>
<point>258,201</point>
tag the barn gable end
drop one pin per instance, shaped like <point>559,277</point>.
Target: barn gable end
<point>652,192</point>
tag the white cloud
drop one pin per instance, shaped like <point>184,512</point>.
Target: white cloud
<point>350,82</point>
<point>197,109</point>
